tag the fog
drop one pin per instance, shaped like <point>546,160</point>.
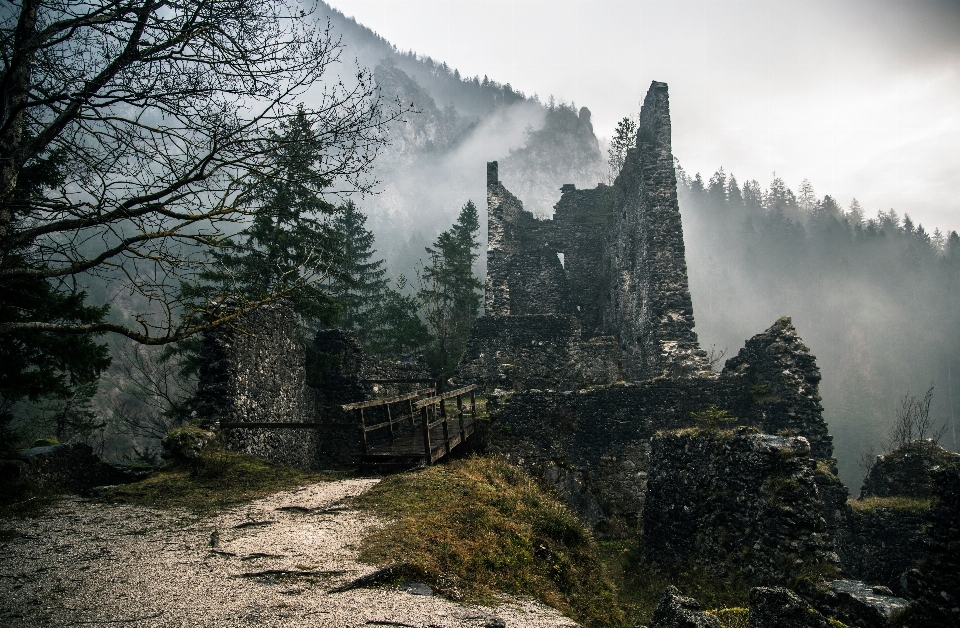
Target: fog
<point>862,96</point>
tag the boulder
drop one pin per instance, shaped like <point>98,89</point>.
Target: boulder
<point>676,611</point>
<point>776,607</point>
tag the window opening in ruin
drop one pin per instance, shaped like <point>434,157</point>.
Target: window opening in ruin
<point>562,263</point>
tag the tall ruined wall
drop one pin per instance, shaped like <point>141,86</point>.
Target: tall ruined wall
<point>650,308</point>
<point>524,274</point>
<point>612,256</point>
<point>255,371</point>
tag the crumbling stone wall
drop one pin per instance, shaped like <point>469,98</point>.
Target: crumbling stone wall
<point>906,471</point>
<point>257,371</point>
<point>537,351</point>
<point>936,586</point>
<point>254,371</point>
<point>735,502</point>
<point>622,274</point>
<point>777,385</point>
<point>886,535</point>
<point>592,445</point>
<point>881,543</point>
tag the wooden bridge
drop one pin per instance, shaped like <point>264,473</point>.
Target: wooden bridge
<point>417,427</point>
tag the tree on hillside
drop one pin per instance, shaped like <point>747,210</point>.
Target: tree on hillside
<point>624,138</point>
<point>807,200</point>
<point>359,284</point>
<point>163,116</point>
<point>717,187</point>
<point>449,291</point>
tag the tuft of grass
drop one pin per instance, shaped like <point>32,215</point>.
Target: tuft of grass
<point>870,505</point>
<point>223,480</point>
<point>737,617</point>
<point>480,526</point>
<point>639,584</point>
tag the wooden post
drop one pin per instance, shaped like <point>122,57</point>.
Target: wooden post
<point>446,429</point>
<point>389,420</point>
<point>412,415</point>
<point>363,433</point>
<point>473,403</point>
<point>463,432</point>
<point>425,416</point>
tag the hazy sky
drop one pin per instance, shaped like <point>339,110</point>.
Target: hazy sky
<point>861,97</point>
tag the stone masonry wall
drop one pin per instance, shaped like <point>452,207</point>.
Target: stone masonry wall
<point>735,502</point>
<point>537,351</point>
<point>255,371</point>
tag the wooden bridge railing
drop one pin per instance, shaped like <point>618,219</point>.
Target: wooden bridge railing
<point>392,420</point>
<point>437,405</point>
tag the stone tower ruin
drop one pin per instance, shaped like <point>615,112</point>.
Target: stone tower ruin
<point>604,280</point>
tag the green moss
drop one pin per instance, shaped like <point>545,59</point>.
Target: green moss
<point>836,623</point>
<point>223,480</point>
<point>481,526</point>
<point>897,504</point>
<point>825,470</point>
<point>45,442</point>
<point>713,418</point>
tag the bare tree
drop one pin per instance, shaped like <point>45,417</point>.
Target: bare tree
<point>156,115</point>
<point>912,422</point>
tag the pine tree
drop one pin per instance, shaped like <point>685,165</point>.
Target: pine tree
<point>855,213</point>
<point>808,198</point>
<point>291,246</point>
<point>48,369</point>
<point>717,187</point>
<point>734,196</point>
<point>394,328</point>
<point>359,284</point>
<point>624,138</point>
<point>449,291</point>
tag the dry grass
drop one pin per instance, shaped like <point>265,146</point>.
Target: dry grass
<point>479,527</point>
<point>896,504</point>
<point>223,479</point>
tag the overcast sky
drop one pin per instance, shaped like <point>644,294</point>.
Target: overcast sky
<point>861,97</point>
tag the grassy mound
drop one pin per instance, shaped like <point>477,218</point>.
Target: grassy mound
<point>478,527</point>
<point>220,479</point>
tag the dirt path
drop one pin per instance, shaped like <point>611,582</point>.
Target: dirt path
<point>83,563</point>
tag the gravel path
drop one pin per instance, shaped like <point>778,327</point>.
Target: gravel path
<point>84,563</point>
